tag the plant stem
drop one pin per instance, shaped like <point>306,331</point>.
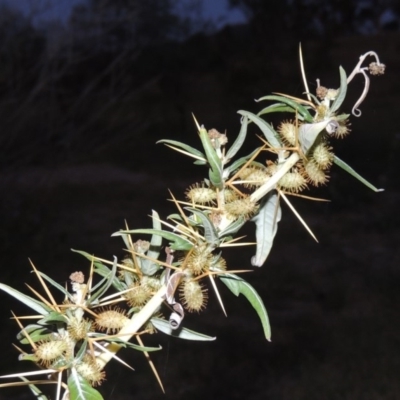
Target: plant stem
<point>136,322</point>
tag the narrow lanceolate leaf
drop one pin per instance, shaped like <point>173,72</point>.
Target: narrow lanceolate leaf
<point>56,285</point>
<point>80,389</point>
<point>36,305</point>
<point>237,144</point>
<point>101,269</point>
<point>340,163</point>
<point>233,227</point>
<point>238,286</point>
<point>215,173</point>
<point>342,91</point>
<point>148,266</point>
<point>102,287</point>
<point>35,332</point>
<point>210,233</point>
<point>189,149</point>
<point>35,390</point>
<point>240,161</point>
<point>292,103</point>
<point>176,242</point>
<point>266,221</point>
<point>269,133</point>
<point>277,107</point>
<point>182,333</point>
<point>308,134</point>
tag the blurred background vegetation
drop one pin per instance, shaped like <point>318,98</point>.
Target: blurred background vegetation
<point>87,90</point>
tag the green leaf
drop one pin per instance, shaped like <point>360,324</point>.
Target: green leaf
<point>178,242</point>
<point>277,107</point>
<point>182,333</point>
<point>129,345</point>
<point>238,286</point>
<point>56,285</point>
<point>340,163</point>
<point>210,232</point>
<point>34,304</point>
<point>215,173</point>
<point>342,91</point>
<point>52,318</point>
<point>35,390</point>
<point>80,389</point>
<point>35,332</point>
<point>269,133</point>
<point>266,221</point>
<point>302,110</point>
<point>103,285</point>
<point>237,144</point>
<point>189,149</point>
<point>233,227</point>
<point>101,269</point>
<point>240,161</point>
<point>149,267</point>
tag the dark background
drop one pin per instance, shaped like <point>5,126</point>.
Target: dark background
<point>81,108</point>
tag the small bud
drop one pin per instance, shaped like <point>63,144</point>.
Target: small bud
<point>138,295</point>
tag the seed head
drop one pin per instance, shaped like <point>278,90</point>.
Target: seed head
<point>199,260</point>
<point>322,155</point>
<point>111,320</point>
<point>50,350</point>
<point>315,175</point>
<point>288,131</point>
<point>199,194</point>
<point>193,295</point>
<point>241,208</point>
<point>90,370</point>
<point>293,181</point>
<point>138,295</point>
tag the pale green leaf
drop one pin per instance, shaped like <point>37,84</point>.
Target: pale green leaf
<point>56,285</point>
<point>233,227</point>
<point>53,317</point>
<point>302,110</point>
<point>240,161</point>
<point>35,390</point>
<point>35,332</point>
<point>177,242</point>
<point>277,107</point>
<point>340,163</point>
<point>342,91</point>
<point>237,144</point>
<point>269,132</point>
<point>238,286</point>
<point>187,148</point>
<point>182,333</point>
<point>34,304</point>
<point>215,173</point>
<point>80,389</point>
<point>101,269</point>
<point>266,221</point>
<point>149,267</point>
<point>210,233</point>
